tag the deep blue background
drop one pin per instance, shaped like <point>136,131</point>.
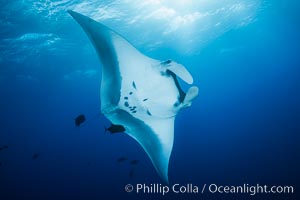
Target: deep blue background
<point>243,128</point>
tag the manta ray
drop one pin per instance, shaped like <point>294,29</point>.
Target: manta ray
<point>139,93</point>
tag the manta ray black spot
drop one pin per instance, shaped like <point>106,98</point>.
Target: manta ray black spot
<point>79,120</point>
<point>122,159</point>
<point>134,111</point>
<point>149,113</point>
<point>134,162</point>
<point>133,85</point>
<point>3,147</point>
<point>126,104</point>
<point>126,98</point>
<point>145,99</point>
<point>115,129</point>
<point>35,156</point>
<point>130,93</point>
<point>132,108</point>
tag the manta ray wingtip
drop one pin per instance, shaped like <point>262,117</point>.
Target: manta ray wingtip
<point>77,16</point>
<point>166,180</point>
<point>74,14</point>
<point>71,12</point>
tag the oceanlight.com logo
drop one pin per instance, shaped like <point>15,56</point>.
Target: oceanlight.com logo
<point>190,188</point>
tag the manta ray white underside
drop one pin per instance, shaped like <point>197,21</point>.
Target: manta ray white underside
<point>140,93</point>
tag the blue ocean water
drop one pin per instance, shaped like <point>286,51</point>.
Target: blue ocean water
<point>243,127</point>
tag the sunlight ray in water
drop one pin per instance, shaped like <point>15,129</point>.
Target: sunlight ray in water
<point>183,26</point>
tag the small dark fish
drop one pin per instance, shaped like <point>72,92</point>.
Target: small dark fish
<point>126,104</point>
<point>130,93</point>
<point>133,85</point>
<point>3,147</point>
<point>145,99</point>
<point>134,162</point>
<point>131,173</point>
<point>35,156</point>
<point>115,129</point>
<point>79,120</point>
<point>122,159</point>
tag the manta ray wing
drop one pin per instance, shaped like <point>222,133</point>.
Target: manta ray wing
<point>140,93</point>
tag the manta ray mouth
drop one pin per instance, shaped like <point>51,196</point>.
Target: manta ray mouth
<point>181,92</point>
